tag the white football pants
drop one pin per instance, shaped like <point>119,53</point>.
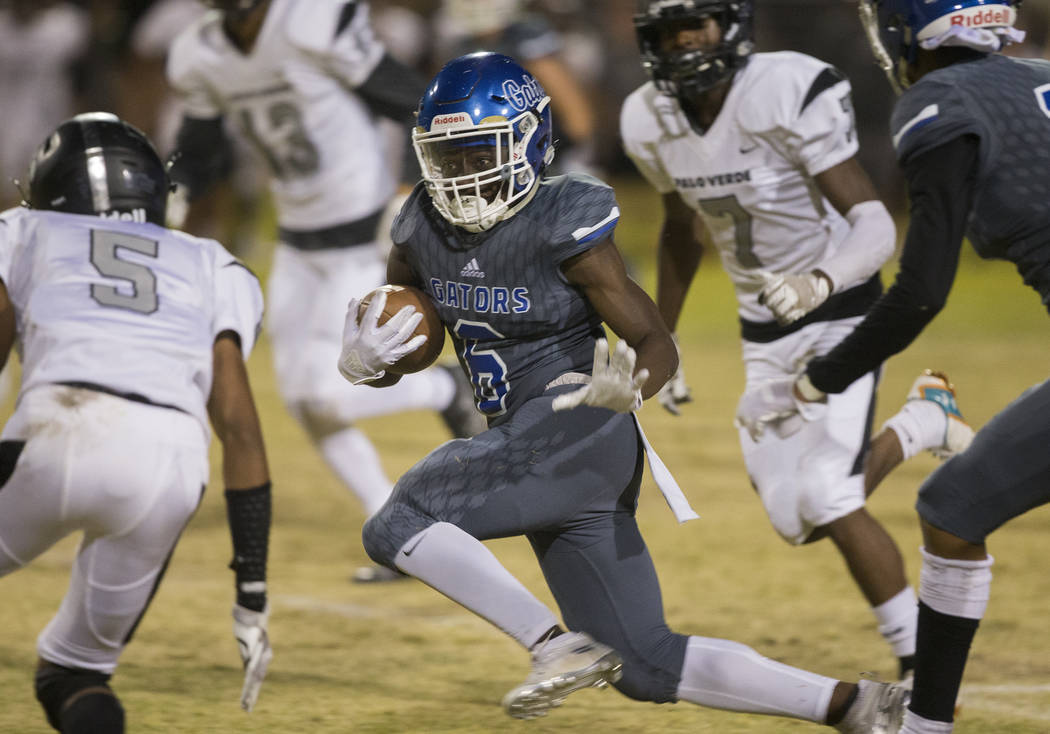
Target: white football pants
<point>816,475</point>
<point>129,476</point>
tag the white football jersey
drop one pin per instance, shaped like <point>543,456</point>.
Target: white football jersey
<point>291,96</point>
<point>129,306</point>
<point>786,118</point>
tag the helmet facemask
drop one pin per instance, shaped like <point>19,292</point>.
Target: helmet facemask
<point>693,71</point>
<point>479,175</point>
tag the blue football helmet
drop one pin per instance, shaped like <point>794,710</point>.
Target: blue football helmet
<point>483,137</point>
<point>690,72</point>
<point>896,28</point>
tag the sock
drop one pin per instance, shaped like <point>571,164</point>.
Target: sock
<point>356,462</point>
<point>944,644</point>
<point>459,565</point>
<point>919,425</point>
<point>727,675</point>
<point>897,618</point>
<point>953,596</point>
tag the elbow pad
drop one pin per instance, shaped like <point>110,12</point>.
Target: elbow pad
<point>869,244</point>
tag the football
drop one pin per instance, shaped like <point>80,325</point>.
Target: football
<point>397,297</point>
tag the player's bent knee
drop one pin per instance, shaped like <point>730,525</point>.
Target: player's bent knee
<point>78,701</point>
<point>641,683</point>
<point>380,539</point>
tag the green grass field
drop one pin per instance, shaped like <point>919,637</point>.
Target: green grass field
<point>401,658</point>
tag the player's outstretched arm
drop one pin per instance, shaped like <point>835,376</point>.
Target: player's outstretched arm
<point>248,507</point>
<point>627,310</point>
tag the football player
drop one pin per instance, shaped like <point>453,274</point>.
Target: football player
<point>762,147</point>
<point>131,337</point>
<point>306,84</point>
<point>963,131</point>
<point>562,460</point>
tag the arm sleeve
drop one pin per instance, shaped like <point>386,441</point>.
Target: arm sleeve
<point>941,184</point>
<point>392,90</point>
<point>203,155</point>
<point>238,300</point>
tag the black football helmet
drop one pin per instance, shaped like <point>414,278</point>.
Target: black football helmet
<point>684,72</point>
<point>96,163</point>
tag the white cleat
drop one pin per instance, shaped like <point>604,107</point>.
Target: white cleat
<point>935,387</point>
<point>566,663</point>
<point>878,709</point>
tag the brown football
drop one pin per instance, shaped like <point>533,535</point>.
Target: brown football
<point>397,297</point>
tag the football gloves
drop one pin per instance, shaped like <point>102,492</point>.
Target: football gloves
<point>614,384</point>
<point>790,296</point>
<point>253,642</point>
<point>675,391</point>
<point>773,403</point>
<point>370,348</point>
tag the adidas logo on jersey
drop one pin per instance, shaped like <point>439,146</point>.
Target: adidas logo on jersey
<point>472,270</point>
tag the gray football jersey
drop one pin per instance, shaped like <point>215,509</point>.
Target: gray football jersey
<point>514,319</point>
<point>1005,102</point>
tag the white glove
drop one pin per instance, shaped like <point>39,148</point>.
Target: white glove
<point>675,391</point>
<point>253,642</point>
<point>368,348</point>
<point>613,384</point>
<point>790,296</point>
<point>773,403</point>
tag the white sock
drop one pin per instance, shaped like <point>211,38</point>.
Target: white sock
<point>460,566</point>
<point>898,619</point>
<point>727,675</point>
<point>919,425</point>
<point>915,724</point>
<point>356,462</point>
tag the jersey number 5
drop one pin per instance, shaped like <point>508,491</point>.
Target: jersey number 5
<point>143,296</point>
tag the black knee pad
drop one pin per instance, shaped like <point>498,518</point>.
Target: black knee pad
<point>78,701</point>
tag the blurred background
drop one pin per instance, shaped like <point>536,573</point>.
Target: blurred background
<point>60,57</point>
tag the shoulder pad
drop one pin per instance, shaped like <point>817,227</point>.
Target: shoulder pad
<point>313,26</point>
<point>182,57</point>
<point>780,86</point>
<point>583,211</point>
<point>409,217</point>
<point>927,115</point>
<point>640,118</point>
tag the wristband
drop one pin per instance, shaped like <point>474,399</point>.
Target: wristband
<point>248,512</point>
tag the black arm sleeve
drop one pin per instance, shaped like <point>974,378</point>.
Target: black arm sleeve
<point>203,155</point>
<point>941,185</point>
<point>393,90</point>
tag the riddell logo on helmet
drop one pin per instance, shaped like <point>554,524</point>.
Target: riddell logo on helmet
<point>991,17</point>
<point>454,119</point>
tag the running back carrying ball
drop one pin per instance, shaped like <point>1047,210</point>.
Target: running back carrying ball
<point>397,297</point>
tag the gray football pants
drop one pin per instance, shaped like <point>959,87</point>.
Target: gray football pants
<point>568,481</point>
<point>1004,473</point>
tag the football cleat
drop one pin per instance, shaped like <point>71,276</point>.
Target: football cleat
<point>561,665</point>
<point>878,709</point>
<point>936,388</point>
